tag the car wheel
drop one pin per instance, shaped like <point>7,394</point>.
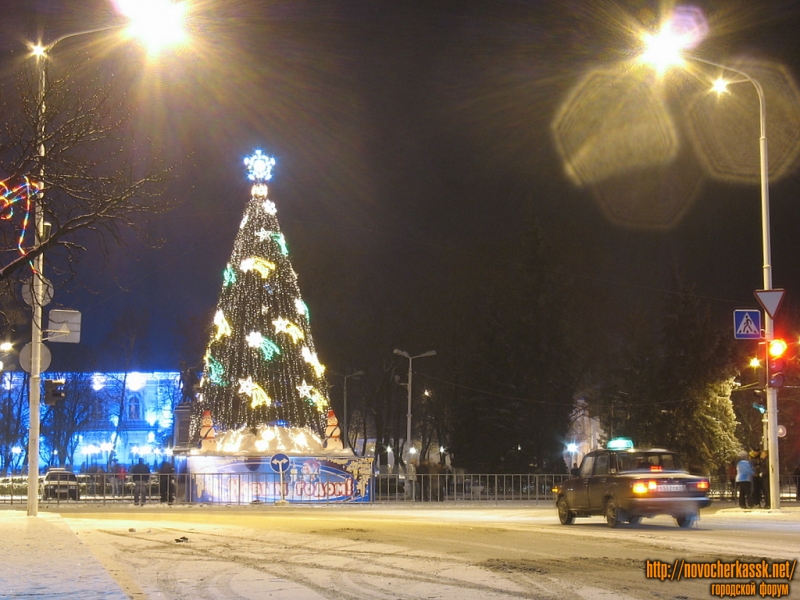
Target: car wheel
<point>614,516</point>
<point>686,520</point>
<point>635,519</point>
<point>564,513</point>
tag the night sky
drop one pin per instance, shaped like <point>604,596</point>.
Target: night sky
<point>405,131</point>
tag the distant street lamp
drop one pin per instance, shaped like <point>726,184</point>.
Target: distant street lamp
<point>346,436</point>
<point>572,449</point>
<point>410,375</point>
<point>158,14</point>
<point>5,350</point>
<point>664,50</point>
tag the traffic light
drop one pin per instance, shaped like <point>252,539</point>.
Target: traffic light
<point>776,363</point>
<point>53,391</point>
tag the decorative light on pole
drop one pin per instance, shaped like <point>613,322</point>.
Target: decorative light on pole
<point>157,10</point>
<point>666,49</point>
<point>410,376</point>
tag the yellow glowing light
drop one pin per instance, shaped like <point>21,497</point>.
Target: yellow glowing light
<point>311,358</point>
<point>260,265</point>
<point>320,401</point>
<point>38,51</point>
<point>223,327</point>
<point>289,328</point>
<point>754,362</point>
<point>720,86</point>
<point>157,23</point>
<point>663,50</point>
<point>257,395</point>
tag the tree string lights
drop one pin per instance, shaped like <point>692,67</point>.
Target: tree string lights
<point>261,367</point>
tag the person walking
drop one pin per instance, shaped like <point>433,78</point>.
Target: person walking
<point>744,481</point>
<point>141,477</point>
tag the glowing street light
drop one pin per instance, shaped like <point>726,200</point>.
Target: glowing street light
<point>666,49</point>
<point>155,23</point>
<point>158,13</point>
<point>410,375</point>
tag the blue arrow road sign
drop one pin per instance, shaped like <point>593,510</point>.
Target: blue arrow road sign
<point>747,324</point>
<point>279,463</point>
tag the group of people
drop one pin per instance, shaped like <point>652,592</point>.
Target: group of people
<point>140,476</point>
<point>752,479</point>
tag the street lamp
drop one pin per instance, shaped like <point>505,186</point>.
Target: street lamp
<point>410,375</point>
<point>572,448</point>
<point>158,12</point>
<point>346,436</point>
<point>664,50</point>
<point>5,350</point>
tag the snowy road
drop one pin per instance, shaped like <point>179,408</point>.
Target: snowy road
<point>380,552</point>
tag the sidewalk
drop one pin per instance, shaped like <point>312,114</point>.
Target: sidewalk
<point>41,557</point>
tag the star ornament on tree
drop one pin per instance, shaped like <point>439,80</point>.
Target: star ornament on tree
<point>320,401</point>
<point>305,389</point>
<point>266,345</point>
<point>258,396</point>
<point>259,166</point>
<point>260,265</point>
<point>223,327</point>
<point>285,326</point>
<point>311,358</point>
<point>254,339</point>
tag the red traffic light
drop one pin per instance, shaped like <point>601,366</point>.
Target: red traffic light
<point>776,362</point>
<point>777,347</point>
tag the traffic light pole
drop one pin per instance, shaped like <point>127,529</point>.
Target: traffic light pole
<point>769,324</point>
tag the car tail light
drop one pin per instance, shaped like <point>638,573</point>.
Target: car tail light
<point>642,487</point>
<point>702,484</point>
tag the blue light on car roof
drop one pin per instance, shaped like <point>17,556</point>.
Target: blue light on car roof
<point>619,444</point>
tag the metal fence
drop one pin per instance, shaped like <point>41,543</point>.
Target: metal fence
<point>184,488</point>
<point>466,487</point>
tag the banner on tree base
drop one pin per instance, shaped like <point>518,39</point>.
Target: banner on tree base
<point>306,479</point>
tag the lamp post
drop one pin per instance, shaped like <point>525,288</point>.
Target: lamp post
<point>344,393</point>
<point>671,54</point>
<point>38,284</point>
<point>410,375</point>
<point>572,448</point>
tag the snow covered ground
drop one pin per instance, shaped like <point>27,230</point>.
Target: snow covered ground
<point>386,552</point>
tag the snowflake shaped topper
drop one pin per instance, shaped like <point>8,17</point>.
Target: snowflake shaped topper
<point>259,166</point>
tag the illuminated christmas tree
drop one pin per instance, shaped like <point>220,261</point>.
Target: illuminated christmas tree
<point>260,364</point>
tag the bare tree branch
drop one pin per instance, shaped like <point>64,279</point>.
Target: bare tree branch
<point>95,179</point>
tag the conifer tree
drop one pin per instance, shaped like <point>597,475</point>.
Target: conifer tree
<point>261,367</point>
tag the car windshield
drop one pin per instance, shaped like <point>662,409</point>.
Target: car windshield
<point>648,461</point>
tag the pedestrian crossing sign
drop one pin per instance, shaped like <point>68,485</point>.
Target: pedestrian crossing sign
<point>747,324</point>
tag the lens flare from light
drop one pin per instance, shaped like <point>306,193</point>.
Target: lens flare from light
<point>156,23</point>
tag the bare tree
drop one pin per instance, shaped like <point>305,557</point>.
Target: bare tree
<point>71,140</point>
<point>69,416</point>
<point>13,421</point>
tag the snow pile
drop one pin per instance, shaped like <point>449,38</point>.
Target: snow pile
<point>269,440</point>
